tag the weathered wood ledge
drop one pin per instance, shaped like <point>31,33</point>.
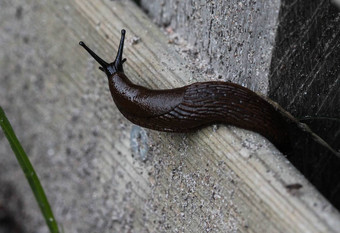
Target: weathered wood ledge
<point>120,176</point>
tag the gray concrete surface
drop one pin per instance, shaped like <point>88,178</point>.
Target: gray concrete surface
<point>232,39</point>
<point>66,120</point>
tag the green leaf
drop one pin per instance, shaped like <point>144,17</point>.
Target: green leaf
<point>29,172</point>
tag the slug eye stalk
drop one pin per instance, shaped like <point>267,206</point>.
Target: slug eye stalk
<point>116,65</point>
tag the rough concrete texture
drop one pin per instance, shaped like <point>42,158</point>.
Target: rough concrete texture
<point>60,137</point>
<point>232,40</point>
<point>293,57</point>
<point>303,73</point>
<point>80,145</point>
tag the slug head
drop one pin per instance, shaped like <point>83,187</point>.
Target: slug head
<point>109,68</point>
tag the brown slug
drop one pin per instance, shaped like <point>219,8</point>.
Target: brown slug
<point>193,106</point>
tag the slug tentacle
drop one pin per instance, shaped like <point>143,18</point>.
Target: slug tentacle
<point>94,55</point>
<point>116,65</point>
<point>193,106</point>
<point>119,58</point>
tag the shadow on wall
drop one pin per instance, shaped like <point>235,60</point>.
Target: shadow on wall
<point>306,55</point>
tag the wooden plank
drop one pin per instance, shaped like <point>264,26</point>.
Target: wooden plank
<point>218,179</point>
<point>286,49</point>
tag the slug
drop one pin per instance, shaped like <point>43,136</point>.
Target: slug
<point>193,106</point>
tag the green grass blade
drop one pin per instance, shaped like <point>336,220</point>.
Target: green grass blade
<point>29,172</point>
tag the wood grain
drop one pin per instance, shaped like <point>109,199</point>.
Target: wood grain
<point>219,179</point>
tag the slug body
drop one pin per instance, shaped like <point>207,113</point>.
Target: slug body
<point>193,106</point>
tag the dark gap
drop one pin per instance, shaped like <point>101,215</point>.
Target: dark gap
<point>138,2</point>
<point>304,80</point>
<point>11,209</point>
